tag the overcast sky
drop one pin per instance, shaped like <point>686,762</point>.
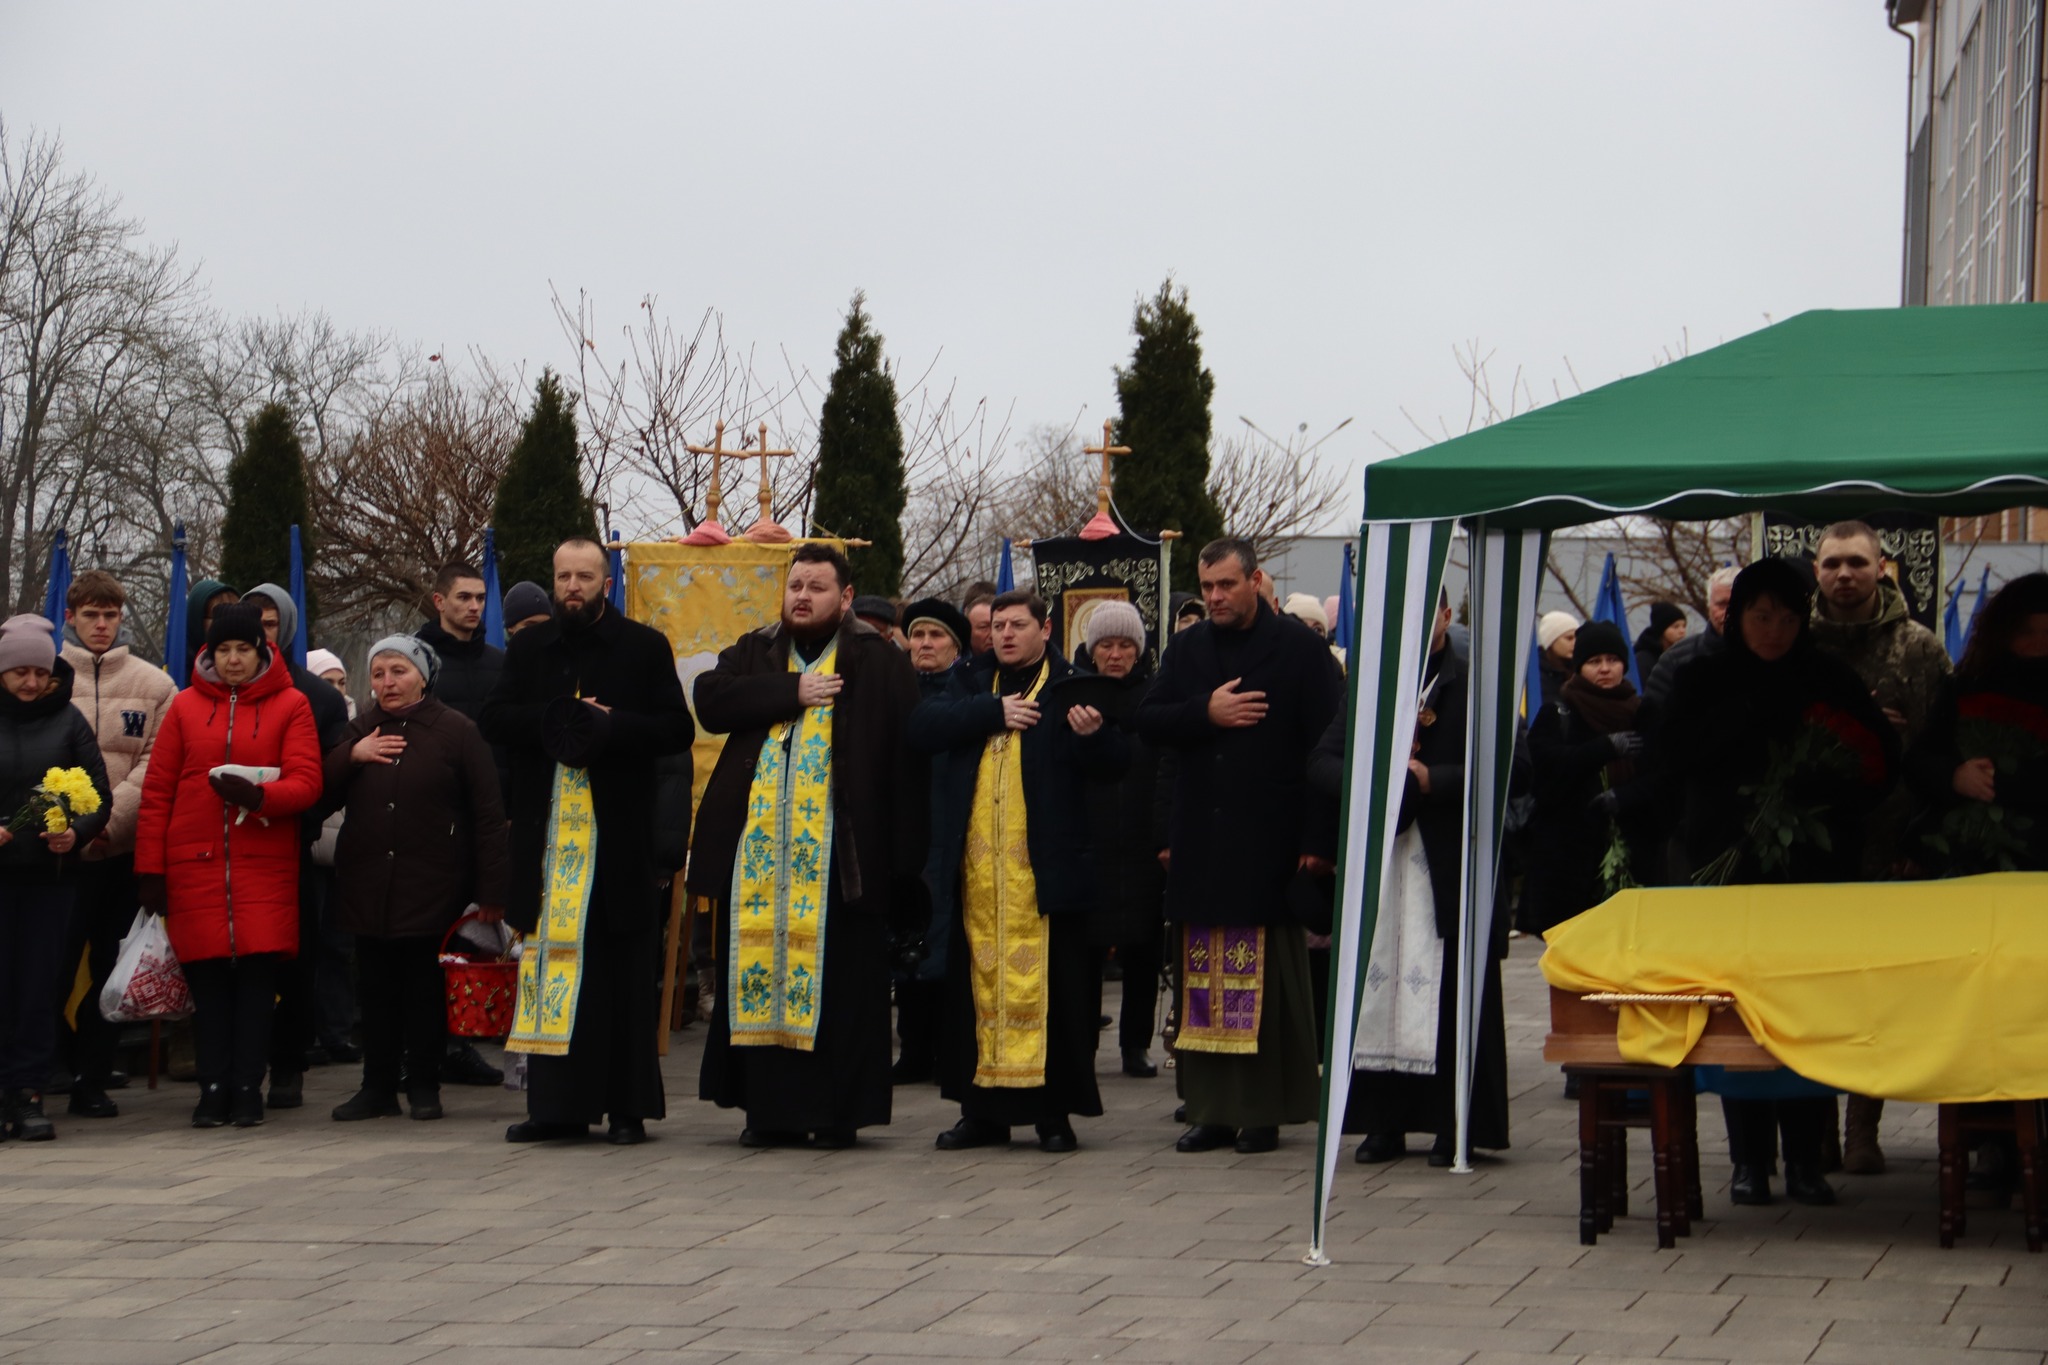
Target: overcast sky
<point>1347,190</point>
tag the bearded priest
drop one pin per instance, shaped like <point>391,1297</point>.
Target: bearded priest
<point>811,835</point>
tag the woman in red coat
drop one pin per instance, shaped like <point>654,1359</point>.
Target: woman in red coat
<point>220,854</point>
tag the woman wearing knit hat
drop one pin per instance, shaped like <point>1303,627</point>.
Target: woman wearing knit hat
<point>1556,632</point>
<point>1585,752</point>
<point>217,850</point>
<point>39,730</point>
<point>424,839</point>
<point>1667,627</point>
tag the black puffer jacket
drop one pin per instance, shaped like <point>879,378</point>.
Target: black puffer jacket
<point>36,736</point>
<point>469,669</point>
<point>1128,822</point>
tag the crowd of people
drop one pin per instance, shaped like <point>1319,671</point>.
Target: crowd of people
<point>929,805</point>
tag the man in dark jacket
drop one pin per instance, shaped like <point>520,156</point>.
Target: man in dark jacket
<point>811,835</point>
<point>1657,682</point>
<point>296,1023</point>
<point>469,665</point>
<point>937,634</point>
<point>1241,699</point>
<point>585,708</point>
<point>1020,1003</point>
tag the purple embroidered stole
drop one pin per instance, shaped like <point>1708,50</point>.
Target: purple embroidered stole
<point>1223,987</point>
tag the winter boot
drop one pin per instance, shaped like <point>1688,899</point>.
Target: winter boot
<point>26,1117</point>
<point>425,1104</point>
<point>212,1109</point>
<point>245,1109</point>
<point>367,1104</point>
<point>287,1091</point>
<point>1860,1153</point>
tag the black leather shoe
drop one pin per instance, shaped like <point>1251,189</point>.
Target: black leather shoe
<point>1749,1185</point>
<point>834,1139</point>
<point>528,1130</point>
<point>1251,1140</point>
<point>972,1133</point>
<point>367,1104</point>
<point>1057,1137</point>
<point>462,1064</point>
<point>287,1089</point>
<point>1381,1147</point>
<point>1804,1185</point>
<point>212,1109</point>
<point>424,1104</point>
<point>88,1101</point>
<point>1443,1152</point>
<point>622,1133</point>
<point>769,1137</point>
<point>1137,1063</point>
<point>1180,1113</point>
<point>1206,1137</point>
<point>245,1108</point>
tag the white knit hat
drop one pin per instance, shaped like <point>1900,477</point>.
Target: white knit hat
<point>1553,625</point>
<point>1109,619</point>
<point>1303,607</point>
<point>321,662</point>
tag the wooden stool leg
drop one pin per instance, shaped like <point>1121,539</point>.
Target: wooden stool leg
<point>1589,1160</point>
<point>1949,1137</point>
<point>2026,1123</point>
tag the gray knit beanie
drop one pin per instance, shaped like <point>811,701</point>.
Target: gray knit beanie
<point>1114,620</point>
<point>25,642</point>
<point>411,647</point>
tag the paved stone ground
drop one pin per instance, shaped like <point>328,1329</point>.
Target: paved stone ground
<point>140,1240</point>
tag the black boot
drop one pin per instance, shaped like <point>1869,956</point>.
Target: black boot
<point>1137,1063</point>
<point>462,1064</point>
<point>973,1133</point>
<point>1804,1185</point>
<point>425,1104</point>
<point>1749,1185</point>
<point>212,1109</point>
<point>366,1104</point>
<point>88,1101</point>
<point>1057,1136</point>
<point>245,1109</point>
<point>287,1091</point>
<point>26,1119</point>
<point>1206,1137</point>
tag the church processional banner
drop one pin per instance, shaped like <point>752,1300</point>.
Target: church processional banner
<point>1073,574</point>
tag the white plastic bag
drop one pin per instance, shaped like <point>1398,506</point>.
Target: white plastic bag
<point>146,982</point>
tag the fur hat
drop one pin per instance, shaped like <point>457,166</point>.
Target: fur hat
<point>26,642</point>
<point>413,648</point>
<point>1114,620</point>
<point>524,601</point>
<point>1597,638</point>
<point>1552,626</point>
<point>237,621</point>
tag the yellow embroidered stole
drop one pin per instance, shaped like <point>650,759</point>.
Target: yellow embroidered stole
<point>1006,936</point>
<point>780,879</point>
<point>551,966</point>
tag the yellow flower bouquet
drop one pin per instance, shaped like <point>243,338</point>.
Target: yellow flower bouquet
<point>63,795</point>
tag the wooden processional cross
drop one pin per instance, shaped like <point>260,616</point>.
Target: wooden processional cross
<point>1105,450</point>
<point>714,498</point>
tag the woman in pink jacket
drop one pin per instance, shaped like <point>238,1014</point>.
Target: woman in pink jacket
<point>219,855</point>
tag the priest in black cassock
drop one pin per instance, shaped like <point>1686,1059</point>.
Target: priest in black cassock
<point>811,836</point>
<point>585,707</point>
<point>1241,700</point>
<point>1018,1044</point>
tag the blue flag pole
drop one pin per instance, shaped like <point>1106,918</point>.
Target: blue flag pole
<point>177,655</point>
<point>617,596</point>
<point>297,648</point>
<point>1609,606</point>
<point>59,586</point>
<point>1006,575</point>
<point>1347,613</point>
<point>494,609</point>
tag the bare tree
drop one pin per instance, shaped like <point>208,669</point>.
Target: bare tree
<point>1271,490</point>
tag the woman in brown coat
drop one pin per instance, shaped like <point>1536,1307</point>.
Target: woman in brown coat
<point>423,839</point>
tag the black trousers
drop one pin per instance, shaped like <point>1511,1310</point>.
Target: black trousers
<point>1140,1013</point>
<point>332,951</point>
<point>32,921</point>
<point>101,915</point>
<point>919,1005</point>
<point>292,1032</point>
<point>1754,1125</point>
<point>405,1012</point>
<point>233,999</point>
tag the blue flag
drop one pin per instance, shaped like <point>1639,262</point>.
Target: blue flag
<point>494,610</point>
<point>297,648</point>
<point>1608,606</point>
<point>617,596</point>
<point>1006,576</point>
<point>1952,624</point>
<point>1983,593</point>
<point>59,587</point>
<point>177,653</point>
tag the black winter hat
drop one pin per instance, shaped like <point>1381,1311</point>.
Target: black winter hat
<point>524,601</point>
<point>943,614</point>
<point>236,621</point>
<point>875,610</point>
<point>1597,638</point>
<point>1664,615</point>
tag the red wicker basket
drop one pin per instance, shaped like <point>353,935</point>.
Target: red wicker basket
<point>481,995</point>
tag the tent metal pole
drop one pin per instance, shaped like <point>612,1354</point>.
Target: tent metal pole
<point>1480,596</point>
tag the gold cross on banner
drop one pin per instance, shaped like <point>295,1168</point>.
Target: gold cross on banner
<point>718,453</point>
<point>761,449</point>
<point>1105,450</point>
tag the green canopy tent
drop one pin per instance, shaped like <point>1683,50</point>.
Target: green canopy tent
<point>1825,416</point>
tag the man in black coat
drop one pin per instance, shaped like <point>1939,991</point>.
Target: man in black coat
<point>469,664</point>
<point>1019,1037</point>
<point>800,1040</point>
<point>591,689</point>
<point>1241,699</point>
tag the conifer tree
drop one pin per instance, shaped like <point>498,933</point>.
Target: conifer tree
<point>861,487</point>
<point>266,498</point>
<point>541,501</point>
<point>1164,399</point>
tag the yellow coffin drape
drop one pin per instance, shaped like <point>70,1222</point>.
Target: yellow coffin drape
<point>1923,991</point>
<point>1006,936</point>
